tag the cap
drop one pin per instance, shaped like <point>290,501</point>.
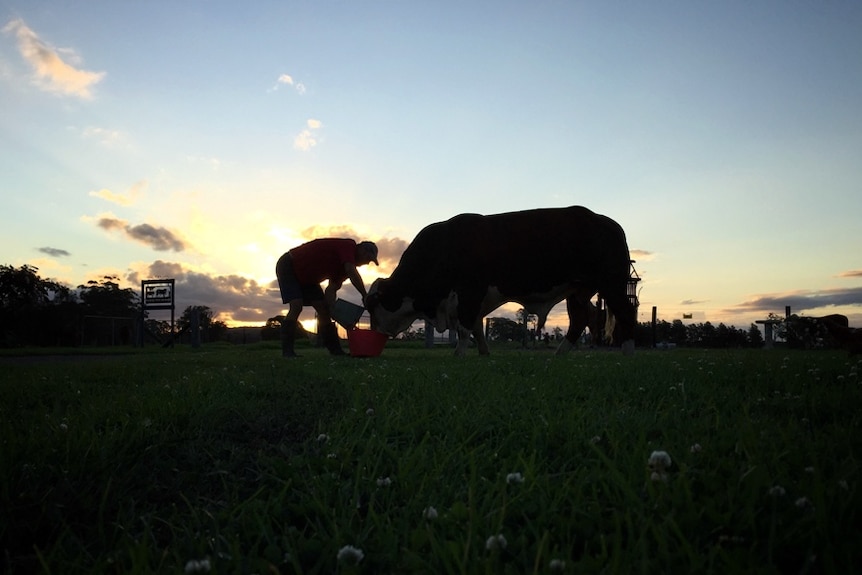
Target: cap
<point>371,247</point>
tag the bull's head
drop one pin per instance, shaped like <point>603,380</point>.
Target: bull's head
<point>390,313</point>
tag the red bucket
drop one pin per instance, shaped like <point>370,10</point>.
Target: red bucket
<point>366,342</point>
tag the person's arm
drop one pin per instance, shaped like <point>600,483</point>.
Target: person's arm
<point>356,280</point>
<point>331,292</point>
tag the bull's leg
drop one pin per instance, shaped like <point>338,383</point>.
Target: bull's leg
<point>479,334</point>
<point>578,311</point>
<point>463,341</point>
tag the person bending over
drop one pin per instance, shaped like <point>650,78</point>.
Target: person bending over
<point>301,270</point>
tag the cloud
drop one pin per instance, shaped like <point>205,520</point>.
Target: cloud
<point>801,301</point>
<point>287,80</point>
<point>304,141</point>
<point>851,274</point>
<point>308,138</point>
<point>232,298</point>
<point>693,302</point>
<point>127,199</point>
<point>389,249</point>
<point>54,252</point>
<point>108,138</point>
<point>212,162</point>
<point>158,238</point>
<point>314,232</point>
<point>51,72</point>
<point>641,255</point>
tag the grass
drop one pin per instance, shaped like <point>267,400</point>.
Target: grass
<point>232,460</point>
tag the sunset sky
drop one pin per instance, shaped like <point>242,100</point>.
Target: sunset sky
<point>200,140</point>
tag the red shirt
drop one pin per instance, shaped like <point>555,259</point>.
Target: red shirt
<point>322,259</point>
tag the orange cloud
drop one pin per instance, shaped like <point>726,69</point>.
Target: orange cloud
<point>52,73</point>
<point>122,199</point>
<point>851,274</point>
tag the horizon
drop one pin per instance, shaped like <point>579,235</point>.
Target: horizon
<point>200,142</point>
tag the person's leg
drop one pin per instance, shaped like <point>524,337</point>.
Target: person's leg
<point>288,328</point>
<point>291,294</point>
<point>326,327</point>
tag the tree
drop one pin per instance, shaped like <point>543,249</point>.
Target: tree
<point>505,329</point>
<point>105,298</point>
<point>677,332</point>
<point>23,288</point>
<point>805,333</point>
<point>271,331</point>
<point>755,338</point>
<point>108,312</point>
<point>35,311</point>
<point>211,329</point>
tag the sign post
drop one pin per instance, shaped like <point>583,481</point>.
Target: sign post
<point>156,294</point>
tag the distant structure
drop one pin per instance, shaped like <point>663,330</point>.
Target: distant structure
<point>631,294</point>
<point>767,324</point>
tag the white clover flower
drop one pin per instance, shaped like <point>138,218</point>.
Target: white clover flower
<point>496,542</point>
<point>658,463</point>
<point>596,439</point>
<point>656,476</point>
<point>383,482</point>
<point>776,491</point>
<point>322,438</point>
<point>557,565</point>
<point>350,554</point>
<point>514,478</point>
<point>369,411</point>
<point>429,513</point>
<point>804,503</point>
<point>696,448</point>
<point>64,427</point>
<point>198,566</point>
<point>660,459</point>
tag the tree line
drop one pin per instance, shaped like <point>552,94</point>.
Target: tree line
<point>42,312</point>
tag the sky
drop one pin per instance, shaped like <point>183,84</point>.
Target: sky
<point>200,140</point>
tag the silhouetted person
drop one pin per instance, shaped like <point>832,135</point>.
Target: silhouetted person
<point>300,272</point>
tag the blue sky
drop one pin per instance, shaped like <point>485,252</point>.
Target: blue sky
<point>200,140</point>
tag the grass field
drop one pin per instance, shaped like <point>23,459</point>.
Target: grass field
<point>232,460</point>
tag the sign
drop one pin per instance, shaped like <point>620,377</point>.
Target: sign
<point>157,294</point>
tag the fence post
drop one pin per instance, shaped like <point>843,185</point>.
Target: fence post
<point>196,327</point>
<point>653,325</point>
<point>429,335</point>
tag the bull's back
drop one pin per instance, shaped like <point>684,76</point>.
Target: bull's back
<point>551,244</point>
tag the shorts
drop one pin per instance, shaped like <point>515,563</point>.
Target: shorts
<point>290,287</point>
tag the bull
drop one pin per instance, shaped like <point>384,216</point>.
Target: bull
<point>456,272</point>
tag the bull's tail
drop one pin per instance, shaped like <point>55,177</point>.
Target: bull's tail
<point>610,324</point>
